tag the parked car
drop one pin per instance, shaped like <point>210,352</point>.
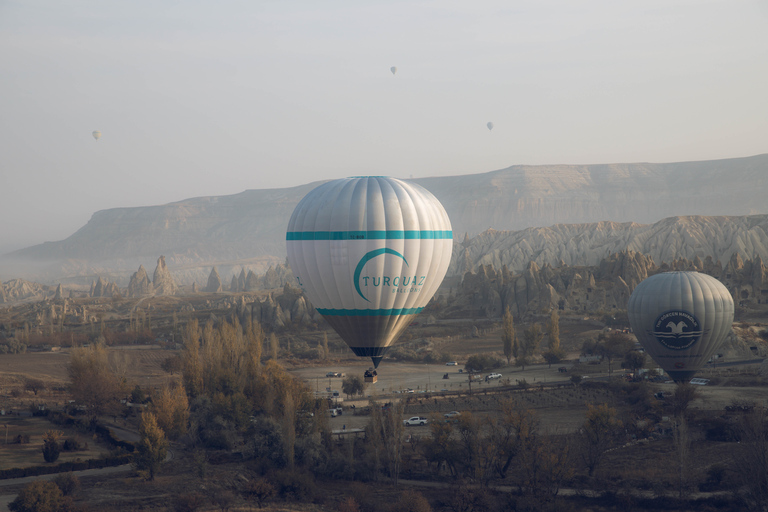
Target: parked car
<point>451,363</point>
<point>333,374</point>
<point>415,420</point>
<point>451,414</point>
<point>492,376</point>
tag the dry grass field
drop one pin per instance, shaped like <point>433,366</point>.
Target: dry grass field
<point>21,455</point>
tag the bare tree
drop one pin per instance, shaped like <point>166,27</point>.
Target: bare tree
<point>750,458</point>
<point>530,343</point>
<point>598,434</point>
<point>685,393</point>
<point>683,449</point>
<point>34,385</point>
<point>612,347</point>
<point>93,381</point>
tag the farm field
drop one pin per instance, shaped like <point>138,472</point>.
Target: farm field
<point>20,455</point>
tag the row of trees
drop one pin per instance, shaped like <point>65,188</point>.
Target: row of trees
<point>611,346</point>
<point>231,393</point>
<point>523,348</point>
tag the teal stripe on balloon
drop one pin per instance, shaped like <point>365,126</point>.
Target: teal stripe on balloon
<point>411,234</point>
<point>370,312</point>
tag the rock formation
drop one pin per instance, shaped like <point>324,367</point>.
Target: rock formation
<point>214,282</point>
<point>103,288</point>
<point>252,282</point>
<point>139,285</point>
<point>17,290</point>
<point>162,280</point>
<point>486,292</point>
<point>275,277</point>
<point>713,238</point>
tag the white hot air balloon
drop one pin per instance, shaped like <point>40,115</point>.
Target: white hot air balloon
<point>681,319</point>
<point>96,134</point>
<point>369,253</point>
<point>393,69</point>
<point>489,125</point>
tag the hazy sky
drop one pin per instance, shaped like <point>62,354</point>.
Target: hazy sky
<point>201,98</point>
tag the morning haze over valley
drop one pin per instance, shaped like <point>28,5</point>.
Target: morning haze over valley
<point>384,256</point>
<point>576,214</point>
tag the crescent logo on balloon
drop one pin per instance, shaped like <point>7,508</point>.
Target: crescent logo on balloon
<point>368,257</point>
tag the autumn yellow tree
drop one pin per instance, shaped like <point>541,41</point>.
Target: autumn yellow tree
<point>38,496</point>
<point>274,346</point>
<point>152,447</point>
<point>554,352</point>
<point>171,408</point>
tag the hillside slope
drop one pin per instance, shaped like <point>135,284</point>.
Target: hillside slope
<point>248,229</point>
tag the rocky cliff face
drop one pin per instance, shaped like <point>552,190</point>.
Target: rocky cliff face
<point>19,290</point>
<point>487,291</point>
<point>717,238</point>
<point>248,229</point>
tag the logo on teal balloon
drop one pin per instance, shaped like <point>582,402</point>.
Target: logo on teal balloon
<point>398,282</point>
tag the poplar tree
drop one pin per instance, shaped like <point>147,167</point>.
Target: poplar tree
<point>152,447</point>
<point>508,335</point>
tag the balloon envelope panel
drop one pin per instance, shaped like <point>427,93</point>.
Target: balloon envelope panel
<point>369,253</point>
<point>681,319</point>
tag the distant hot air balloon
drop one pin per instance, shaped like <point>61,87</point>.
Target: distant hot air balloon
<point>369,253</point>
<point>681,319</point>
<point>489,125</point>
<point>393,69</point>
<point>96,134</point>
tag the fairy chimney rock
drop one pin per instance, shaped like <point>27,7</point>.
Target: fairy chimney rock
<point>139,284</point>
<point>214,282</point>
<point>162,280</point>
